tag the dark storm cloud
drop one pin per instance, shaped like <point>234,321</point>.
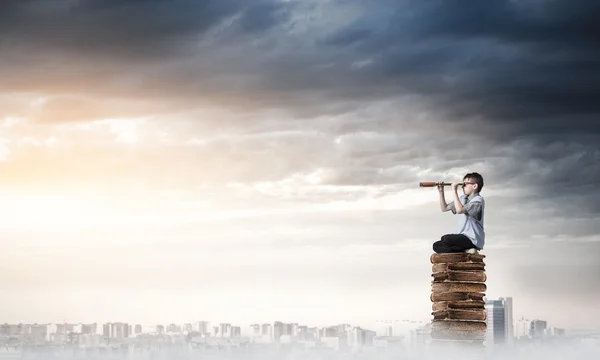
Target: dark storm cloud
<point>520,74</point>
<point>134,29</point>
<point>525,63</point>
<point>514,73</point>
<point>506,60</point>
<point>128,58</point>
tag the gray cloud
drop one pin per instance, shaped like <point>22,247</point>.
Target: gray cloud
<point>513,62</point>
<point>138,30</point>
<point>531,67</point>
<point>516,79</point>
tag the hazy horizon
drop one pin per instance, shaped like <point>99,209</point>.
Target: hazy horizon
<point>243,161</point>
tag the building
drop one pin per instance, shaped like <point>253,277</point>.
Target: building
<point>509,323</point>
<point>554,332</point>
<point>225,330</point>
<point>499,322</point>
<point>522,327</point>
<point>266,329</point>
<point>116,331</point>
<point>255,329</point>
<point>537,329</point>
<point>277,330</point>
<point>160,329</point>
<point>89,328</point>
<point>236,331</point>
<point>38,334</point>
<point>420,337</point>
<point>204,327</point>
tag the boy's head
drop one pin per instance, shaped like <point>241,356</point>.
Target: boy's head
<point>472,183</point>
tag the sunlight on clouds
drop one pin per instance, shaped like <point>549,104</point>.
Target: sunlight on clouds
<point>48,211</point>
<point>315,177</point>
<point>294,184</point>
<point>76,211</point>
<point>302,188</point>
<point>291,196</point>
<point>31,141</point>
<point>401,200</point>
<point>9,122</point>
<point>125,130</point>
<point>382,251</point>
<point>364,141</point>
<point>4,151</point>
<point>38,102</point>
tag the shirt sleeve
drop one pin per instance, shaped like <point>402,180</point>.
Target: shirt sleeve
<point>473,208</point>
<point>452,207</point>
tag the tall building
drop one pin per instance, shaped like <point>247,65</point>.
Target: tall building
<point>225,330</point>
<point>204,327</point>
<point>499,322</point>
<point>389,331</point>
<point>255,329</point>
<point>188,328</point>
<point>267,329</point>
<point>39,334</point>
<point>509,324</point>
<point>421,336</point>
<point>537,329</point>
<point>160,329</point>
<point>89,328</point>
<point>236,331</point>
<point>120,330</point>
<point>355,338</point>
<point>277,330</point>
<point>174,329</point>
<point>115,330</point>
<point>105,331</point>
<point>522,328</point>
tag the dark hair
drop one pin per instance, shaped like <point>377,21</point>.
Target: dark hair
<point>477,178</point>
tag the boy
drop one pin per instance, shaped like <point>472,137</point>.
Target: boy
<point>470,209</point>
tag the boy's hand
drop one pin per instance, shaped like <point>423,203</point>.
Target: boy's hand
<point>455,186</point>
<point>440,186</point>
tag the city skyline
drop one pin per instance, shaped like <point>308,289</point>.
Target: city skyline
<point>138,342</point>
<point>260,159</point>
<point>502,330</point>
<point>501,325</point>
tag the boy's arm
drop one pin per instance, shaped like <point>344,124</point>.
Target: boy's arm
<point>472,208</point>
<point>458,207</point>
<point>443,205</point>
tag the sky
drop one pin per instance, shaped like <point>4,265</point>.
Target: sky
<point>252,161</point>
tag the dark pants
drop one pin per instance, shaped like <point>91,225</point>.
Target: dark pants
<point>452,243</point>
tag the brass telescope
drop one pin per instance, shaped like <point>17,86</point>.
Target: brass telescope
<point>435,183</point>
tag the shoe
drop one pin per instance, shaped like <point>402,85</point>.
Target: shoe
<point>472,251</point>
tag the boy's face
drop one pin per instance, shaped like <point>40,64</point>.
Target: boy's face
<point>469,186</point>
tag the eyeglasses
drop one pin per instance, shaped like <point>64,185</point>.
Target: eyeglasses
<point>465,183</point>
